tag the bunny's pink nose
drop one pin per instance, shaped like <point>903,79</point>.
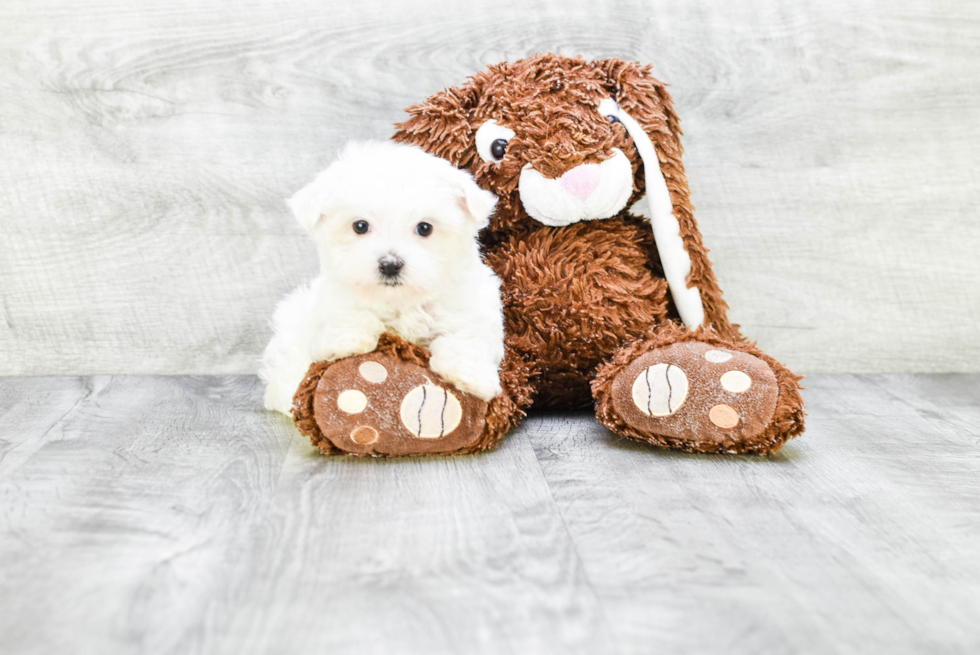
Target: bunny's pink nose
<point>581,181</point>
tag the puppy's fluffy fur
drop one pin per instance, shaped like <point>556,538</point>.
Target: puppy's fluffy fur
<point>443,297</point>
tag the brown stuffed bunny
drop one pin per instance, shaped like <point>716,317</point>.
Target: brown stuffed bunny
<point>602,304</point>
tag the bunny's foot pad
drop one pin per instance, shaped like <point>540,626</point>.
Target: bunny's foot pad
<point>380,405</point>
<point>696,392</point>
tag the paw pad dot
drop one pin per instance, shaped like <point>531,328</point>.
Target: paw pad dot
<point>352,401</point>
<point>723,416</point>
<point>717,356</point>
<point>364,435</point>
<point>430,412</point>
<point>660,390</point>
<point>373,372</point>
<point>735,381</point>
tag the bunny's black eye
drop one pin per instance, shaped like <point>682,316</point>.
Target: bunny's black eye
<point>361,227</point>
<point>491,141</point>
<point>498,148</point>
<point>423,229</point>
<point>613,119</point>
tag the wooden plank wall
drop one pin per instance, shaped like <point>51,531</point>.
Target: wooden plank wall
<point>145,149</point>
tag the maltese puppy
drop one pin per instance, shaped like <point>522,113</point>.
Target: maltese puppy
<point>396,232</point>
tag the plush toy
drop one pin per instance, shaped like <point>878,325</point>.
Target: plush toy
<point>609,296</point>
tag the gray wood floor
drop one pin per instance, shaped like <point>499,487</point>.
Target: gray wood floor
<point>173,515</point>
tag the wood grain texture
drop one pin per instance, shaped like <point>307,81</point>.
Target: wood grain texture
<point>858,538</point>
<point>146,150</point>
<point>170,515</point>
<point>125,522</point>
<point>430,555</point>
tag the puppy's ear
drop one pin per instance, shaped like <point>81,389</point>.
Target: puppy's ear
<point>308,203</point>
<point>476,202</point>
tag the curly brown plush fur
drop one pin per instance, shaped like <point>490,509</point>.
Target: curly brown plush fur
<point>586,305</point>
<point>552,103</point>
<point>590,292</point>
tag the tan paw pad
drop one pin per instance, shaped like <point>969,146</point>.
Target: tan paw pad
<point>735,381</point>
<point>723,416</point>
<point>430,412</point>
<point>352,401</point>
<point>660,390</point>
<point>364,435</point>
<point>373,372</point>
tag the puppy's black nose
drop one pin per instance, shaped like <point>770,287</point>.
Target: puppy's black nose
<point>390,266</point>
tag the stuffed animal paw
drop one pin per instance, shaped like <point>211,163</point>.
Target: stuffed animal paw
<point>387,403</point>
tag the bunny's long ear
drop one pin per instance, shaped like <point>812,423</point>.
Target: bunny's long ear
<point>645,109</point>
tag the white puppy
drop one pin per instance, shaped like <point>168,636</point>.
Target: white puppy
<point>396,231</point>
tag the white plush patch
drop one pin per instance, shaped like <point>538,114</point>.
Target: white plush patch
<point>666,230</point>
<point>717,356</point>
<point>352,401</point>
<point>660,390</point>
<point>430,412</point>
<point>373,372</point>
<point>586,192</point>
<point>735,381</point>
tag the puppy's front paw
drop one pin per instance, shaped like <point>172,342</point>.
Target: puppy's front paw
<point>329,347</point>
<point>478,378</point>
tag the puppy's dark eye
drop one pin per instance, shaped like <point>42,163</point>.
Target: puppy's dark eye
<point>613,119</point>
<point>423,229</point>
<point>498,148</point>
<point>361,227</point>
